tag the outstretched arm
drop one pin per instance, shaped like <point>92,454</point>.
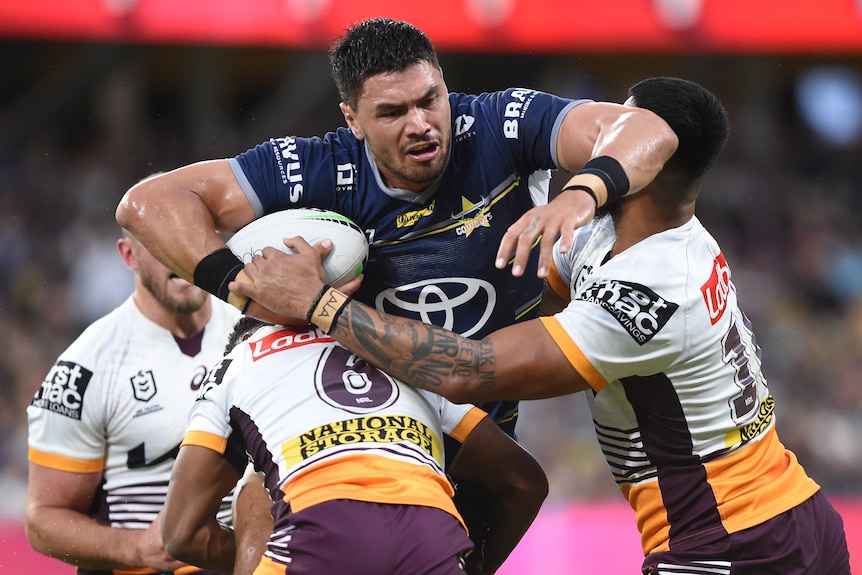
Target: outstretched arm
<point>518,362</point>
<point>622,144</point>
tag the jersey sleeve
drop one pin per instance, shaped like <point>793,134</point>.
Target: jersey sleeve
<point>210,412</point>
<point>615,329</point>
<point>457,420</point>
<point>66,424</point>
<point>530,123</point>
<point>292,172</point>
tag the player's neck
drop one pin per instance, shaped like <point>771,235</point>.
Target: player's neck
<point>638,218</point>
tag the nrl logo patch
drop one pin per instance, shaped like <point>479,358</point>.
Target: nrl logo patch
<point>637,308</point>
<point>143,385</point>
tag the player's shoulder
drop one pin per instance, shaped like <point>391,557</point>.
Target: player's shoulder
<point>674,264</point>
<point>108,333</point>
<point>339,139</point>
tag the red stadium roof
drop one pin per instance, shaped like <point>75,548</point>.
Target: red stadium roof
<point>548,26</point>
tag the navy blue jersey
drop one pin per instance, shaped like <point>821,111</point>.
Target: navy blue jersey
<point>432,254</point>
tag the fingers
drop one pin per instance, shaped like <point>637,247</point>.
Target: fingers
<point>350,286</point>
<point>543,226</point>
<point>280,284</point>
<point>518,241</point>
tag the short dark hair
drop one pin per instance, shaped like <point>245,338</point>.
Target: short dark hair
<point>246,325</point>
<point>696,116</point>
<point>373,47</point>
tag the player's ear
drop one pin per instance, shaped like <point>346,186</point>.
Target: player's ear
<point>124,246</point>
<point>350,118</point>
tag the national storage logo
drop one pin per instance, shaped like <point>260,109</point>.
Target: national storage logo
<point>372,430</point>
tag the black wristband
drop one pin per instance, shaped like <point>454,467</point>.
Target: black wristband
<point>584,188</point>
<point>612,174</point>
<point>216,270</point>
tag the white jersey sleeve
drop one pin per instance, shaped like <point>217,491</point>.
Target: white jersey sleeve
<point>116,402</point>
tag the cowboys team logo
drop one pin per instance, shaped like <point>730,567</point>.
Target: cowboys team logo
<point>472,216</point>
<point>637,308</point>
<point>437,301</point>
<point>143,385</point>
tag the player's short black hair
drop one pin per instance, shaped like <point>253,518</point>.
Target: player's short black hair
<point>246,325</point>
<point>373,47</point>
<point>694,113</point>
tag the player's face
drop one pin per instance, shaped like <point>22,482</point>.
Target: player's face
<point>172,292</point>
<point>406,122</point>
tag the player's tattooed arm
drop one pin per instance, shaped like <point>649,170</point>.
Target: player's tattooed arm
<point>422,355</point>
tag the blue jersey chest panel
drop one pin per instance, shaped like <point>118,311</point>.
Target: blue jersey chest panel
<point>431,260</point>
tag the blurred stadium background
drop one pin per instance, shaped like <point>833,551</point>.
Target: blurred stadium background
<point>96,94</point>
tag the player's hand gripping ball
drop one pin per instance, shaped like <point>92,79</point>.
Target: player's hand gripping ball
<point>344,262</point>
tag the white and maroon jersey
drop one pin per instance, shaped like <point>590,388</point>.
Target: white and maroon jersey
<point>323,424</point>
<point>117,401</point>
<point>681,407</point>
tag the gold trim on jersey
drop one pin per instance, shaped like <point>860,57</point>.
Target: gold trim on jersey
<point>186,570</point>
<point>556,283</point>
<point>579,361</point>
<point>467,424</point>
<point>205,439</point>
<point>63,463</point>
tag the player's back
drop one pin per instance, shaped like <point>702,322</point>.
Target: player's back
<point>323,424</point>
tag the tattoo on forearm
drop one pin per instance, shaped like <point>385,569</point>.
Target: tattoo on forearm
<point>422,355</point>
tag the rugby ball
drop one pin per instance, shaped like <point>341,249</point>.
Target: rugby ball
<point>344,262</point>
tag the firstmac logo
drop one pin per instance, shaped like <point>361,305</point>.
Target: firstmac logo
<point>637,308</point>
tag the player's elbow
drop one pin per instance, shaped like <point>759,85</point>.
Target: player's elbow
<point>525,482</point>
<point>179,539</point>
<point>132,206</point>
<point>665,140</point>
<point>33,533</point>
<point>533,487</point>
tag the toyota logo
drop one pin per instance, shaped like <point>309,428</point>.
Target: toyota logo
<point>437,301</point>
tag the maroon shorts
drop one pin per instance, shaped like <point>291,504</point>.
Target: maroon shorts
<point>360,538</point>
<point>806,540</point>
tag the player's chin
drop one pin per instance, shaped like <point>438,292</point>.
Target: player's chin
<point>186,303</point>
<point>424,172</point>
<point>185,294</point>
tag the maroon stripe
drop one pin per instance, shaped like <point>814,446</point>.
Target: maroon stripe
<point>692,510</point>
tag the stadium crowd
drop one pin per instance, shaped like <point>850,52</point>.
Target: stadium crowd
<point>783,202</point>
